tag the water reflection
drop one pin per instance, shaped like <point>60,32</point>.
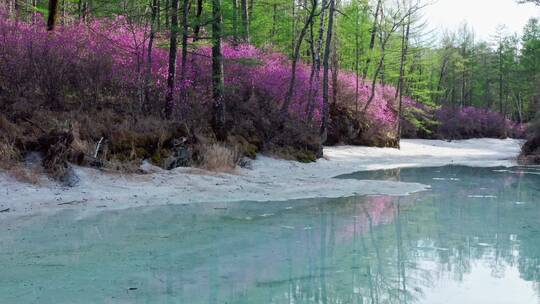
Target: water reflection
<point>474,237</point>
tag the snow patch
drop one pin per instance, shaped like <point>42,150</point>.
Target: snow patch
<point>269,179</point>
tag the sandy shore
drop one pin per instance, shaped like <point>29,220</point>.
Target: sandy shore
<point>268,180</point>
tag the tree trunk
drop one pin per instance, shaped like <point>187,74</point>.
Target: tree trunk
<point>293,26</point>
<point>441,77</point>
<point>158,16</point>
<point>250,12</point>
<point>245,21</point>
<point>217,72</point>
<point>325,114</point>
<point>312,73</point>
<point>168,13</point>
<point>79,9</point>
<point>296,56</point>
<point>185,24</point>
<point>63,11</point>
<point>404,51</point>
<point>17,9</point>
<point>356,56</point>
<point>500,79</point>
<point>317,62</point>
<point>374,81</point>
<point>34,4</point>
<point>235,21</point>
<point>198,13</point>
<point>274,21</point>
<point>153,18</point>
<point>169,104</point>
<point>51,19</point>
<point>335,68</point>
<point>372,39</point>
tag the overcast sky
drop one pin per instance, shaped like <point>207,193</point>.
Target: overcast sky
<point>482,15</point>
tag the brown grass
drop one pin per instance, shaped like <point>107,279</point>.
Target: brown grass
<point>25,175</point>
<point>218,158</point>
<point>8,152</point>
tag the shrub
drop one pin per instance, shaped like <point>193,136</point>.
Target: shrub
<point>102,64</point>
<point>448,122</point>
<point>530,152</point>
<point>220,158</point>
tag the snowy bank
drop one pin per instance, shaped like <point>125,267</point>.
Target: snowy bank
<point>268,180</point>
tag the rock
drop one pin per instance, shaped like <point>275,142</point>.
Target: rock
<point>69,178</point>
<point>182,155</point>
<point>56,149</point>
<point>246,163</point>
<point>530,152</point>
<point>147,167</point>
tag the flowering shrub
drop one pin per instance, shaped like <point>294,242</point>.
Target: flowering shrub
<point>449,122</point>
<point>106,61</point>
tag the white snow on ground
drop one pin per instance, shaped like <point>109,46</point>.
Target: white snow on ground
<point>268,180</point>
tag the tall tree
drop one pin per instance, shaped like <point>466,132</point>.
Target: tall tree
<point>169,99</point>
<point>373,36</point>
<point>245,20</point>
<point>235,21</point>
<point>198,21</point>
<point>403,59</point>
<point>500,47</point>
<point>326,58</point>
<point>185,28</point>
<point>53,11</point>
<point>315,82</point>
<point>296,55</point>
<point>217,73</point>
<point>153,25</point>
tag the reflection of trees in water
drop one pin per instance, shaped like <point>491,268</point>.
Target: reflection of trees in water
<point>441,235</point>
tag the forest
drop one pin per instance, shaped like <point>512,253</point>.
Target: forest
<point>110,83</point>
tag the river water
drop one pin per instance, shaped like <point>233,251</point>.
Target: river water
<point>474,237</point>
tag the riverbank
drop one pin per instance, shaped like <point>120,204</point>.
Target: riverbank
<point>268,179</point>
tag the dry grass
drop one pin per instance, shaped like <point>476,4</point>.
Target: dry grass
<point>8,152</point>
<point>25,175</point>
<point>218,158</point>
<point>80,145</point>
<point>126,166</point>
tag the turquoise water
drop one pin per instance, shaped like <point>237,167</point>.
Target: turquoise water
<point>473,238</point>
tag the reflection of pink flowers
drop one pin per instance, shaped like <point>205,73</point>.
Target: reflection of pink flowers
<point>379,210</point>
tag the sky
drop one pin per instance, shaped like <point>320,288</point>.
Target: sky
<point>483,15</point>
